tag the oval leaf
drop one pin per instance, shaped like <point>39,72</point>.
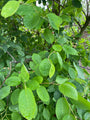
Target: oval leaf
<point>44,67</point>
<point>27,104</point>
<point>54,20</point>
<point>10,8</point>
<point>49,37</point>
<point>62,108</point>
<point>43,94</point>
<point>69,90</point>
<point>68,117</point>
<point>61,80</point>
<point>52,70</point>
<point>15,116</point>
<point>57,47</point>
<point>4,92</point>
<point>13,81</point>
<point>59,59</point>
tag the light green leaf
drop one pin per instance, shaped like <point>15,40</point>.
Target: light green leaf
<point>87,116</point>
<point>54,20</point>
<point>46,114</point>
<point>30,1</point>
<point>61,80</point>
<point>82,103</point>
<point>27,104</point>
<point>60,60</point>
<point>10,8</point>
<point>57,47</point>
<point>32,84</point>
<point>4,92</point>
<point>13,81</point>
<point>52,70</point>
<point>15,116</point>
<point>39,79</point>
<point>69,50</point>
<point>68,117</point>
<point>36,58</point>
<point>2,105</point>
<point>69,90</point>
<point>24,75</point>
<point>49,37</point>
<point>79,71</point>
<point>14,108</point>
<point>43,94</point>
<point>15,96</point>
<point>62,108</point>
<point>72,73</point>
<point>44,67</point>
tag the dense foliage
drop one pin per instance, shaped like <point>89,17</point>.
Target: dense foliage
<point>43,60</point>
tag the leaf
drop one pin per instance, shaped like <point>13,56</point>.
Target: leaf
<point>62,108</point>
<point>13,81</point>
<point>14,108</point>
<point>61,80</point>
<point>54,20</point>
<point>10,8</point>
<point>44,67</point>
<point>36,58</point>
<point>2,105</point>
<point>52,70</point>
<point>32,84</point>
<point>15,116</point>
<point>43,94</point>
<point>87,116</point>
<point>76,3</point>
<point>69,90</point>
<point>15,96</point>
<point>69,50</point>
<point>49,37</point>
<point>68,117</point>
<point>60,60</point>
<point>81,103</point>
<point>24,75</point>
<point>39,79</point>
<point>30,1</point>
<point>46,114</point>
<point>79,71</point>
<point>72,73</point>
<point>57,47</point>
<point>4,92</point>
<point>27,104</point>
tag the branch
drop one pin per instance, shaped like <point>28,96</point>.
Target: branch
<point>11,56</point>
<point>87,7</point>
<point>78,23</point>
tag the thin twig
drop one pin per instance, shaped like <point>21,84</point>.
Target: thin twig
<point>11,56</point>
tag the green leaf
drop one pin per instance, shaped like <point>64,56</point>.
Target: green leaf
<point>61,80</point>
<point>69,90</point>
<point>79,71</point>
<point>15,116</point>
<point>36,58</point>
<point>10,8</point>
<point>69,50</point>
<point>44,67</point>
<point>2,105</point>
<point>46,114</point>
<point>60,60</point>
<point>24,75</point>
<point>52,70</point>
<point>14,108</point>
<point>15,96</point>
<point>43,94</point>
<point>82,103</point>
<point>76,3</point>
<point>54,20</point>
<point>72,73</point>
<point>39,79</point>
<point>62,108</point>
<point>49,37</point>
<point>87,116</point>
<point>32,84</point>
<point>30,1</point>
<point>27,104</point>
<point>4,92</point>
<point>68,117</point>
<point>57,47</point>
<point>13,81</point>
